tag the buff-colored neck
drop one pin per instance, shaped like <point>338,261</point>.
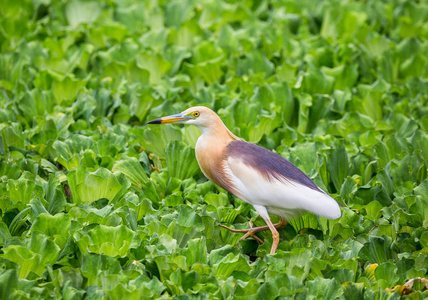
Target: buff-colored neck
<point>216,130</point>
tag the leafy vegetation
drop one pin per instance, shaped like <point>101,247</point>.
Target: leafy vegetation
<point>96,205</point>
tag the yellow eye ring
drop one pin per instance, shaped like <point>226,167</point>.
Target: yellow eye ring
<point>195,114</point>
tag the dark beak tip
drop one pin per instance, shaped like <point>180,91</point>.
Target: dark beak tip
<point>157,121</point>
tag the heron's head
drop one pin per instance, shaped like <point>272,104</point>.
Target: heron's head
<point>200,116</point>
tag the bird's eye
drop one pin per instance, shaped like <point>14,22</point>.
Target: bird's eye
<point>195,114</point>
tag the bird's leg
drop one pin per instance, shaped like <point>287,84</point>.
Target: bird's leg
<point>275,235</point>
<point>253,230</point>
<point>281,224</point>
<point>251,233</point>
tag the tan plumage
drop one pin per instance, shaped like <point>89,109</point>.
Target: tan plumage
<point>254,174</point>
<point>211,148</point>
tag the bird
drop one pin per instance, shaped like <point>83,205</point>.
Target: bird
<point>256,175</point>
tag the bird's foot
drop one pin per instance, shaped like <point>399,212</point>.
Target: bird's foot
<point>251,232</point>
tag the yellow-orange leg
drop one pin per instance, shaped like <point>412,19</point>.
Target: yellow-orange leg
<point>275,236</point>
<point>253,230</point>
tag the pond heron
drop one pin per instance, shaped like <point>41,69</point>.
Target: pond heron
<point>266,180</point>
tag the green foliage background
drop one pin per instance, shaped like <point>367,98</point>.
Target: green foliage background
<point>96,205</point>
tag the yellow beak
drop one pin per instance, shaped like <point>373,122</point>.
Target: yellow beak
<point>178,118</point>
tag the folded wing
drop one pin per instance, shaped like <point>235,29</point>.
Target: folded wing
<point>264,178</point>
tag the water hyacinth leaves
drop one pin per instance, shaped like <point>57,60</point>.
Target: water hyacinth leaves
<point>93,204</point>
<point>35,256</point>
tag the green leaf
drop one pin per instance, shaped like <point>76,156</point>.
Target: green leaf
<point>133,171</point>
<point>56,227</point>
<point>225,262</point>
<point>8,283</point>
<point>404,170</point>
<point>93,265</point>
<point>78,12</point>
<point>111,241</point>
<point>67,89</point>
<point>88,187</point>
<point>181,160</point>
<point>4,234</point>
<point>377,249</point>
<point>345,76</point>
<point>196,252</point>
<point>156,65</point>
<point>55,195</point>
<point>322,287</point>
<point>40,253</point>
<point>21,190</point>
<point>316,81</point>
<point>337,164</point>
<point>156,138</point>
<point>254,62</point>
<point>176,12</point>
<point>388,273</point>
<point>353,291</point>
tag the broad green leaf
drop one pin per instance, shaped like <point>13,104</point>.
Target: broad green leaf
<point>316,81</point>
<point>321,106</point>
<point>111,241</point>
<point>352,290</point>
<point>296,262</point>
<point>377,249</point>
<point>86,214</point>
<point>328,288</point>
<point>4,234</point>
<point>176,12</point>
<point>225,264</point>
<point>419,140</point>
<point>88,187</point>
<point>26,259</point>
<point>305,103</point>
<point>404,170</point>
<point>345,76</point>
<point>78,12</point>
<point>191,135</point>
<point>337,164</point>
<point>55,195</point>
<point>181,160</point>
<point>156,138</point>
<point>8,283</point>
<point>40,253</point>
<point>388,273</point>
<point>155,65</point>
<point>67,89</point>
<point>196,252</point>
<point>133,171</point>
<point>56,227</point>
<point>11,136</point>
<point>95,264</point>
<point>254,62</point>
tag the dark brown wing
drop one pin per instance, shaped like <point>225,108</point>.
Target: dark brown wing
<point>269,164</point>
